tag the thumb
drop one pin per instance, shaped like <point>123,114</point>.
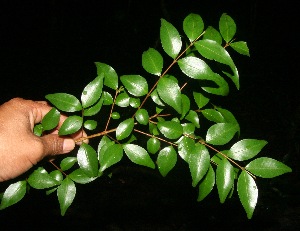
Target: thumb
<point>53,144</point>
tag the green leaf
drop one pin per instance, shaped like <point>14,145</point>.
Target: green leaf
<point>170,39</point>
<point>71,125</point>
<point>213,115</point>
<point>103,144</point>
<point>185,147</point>
<point>107,98</point>
<point>188,128</point>
<point>134,102</point>
<point>246,149</point>
<point>170,129</point>
<point>207,184</point>
<point>115,115</point>
<point>193,117</point>
<point>66,193</point>
<point>240,47</point>
<point>193,26</point>
<point>212,50</point>
<point>123,100</point>
<point>138,155</point>
<point>90,124</point>
<point>212,34</point>
<point>221,133</point>
<point>200,99</point>
<point>124,129</point>
<point>67,163</point>
<point>152,61</point>
<point>169,91</point>
<point>51,119</point>
<point>142,116</point>
<point>112,155</point>
<point>110,75</point>
<point>57,175</point>
<point>80,177</point>
<point>153,129</point>
<point>224,179</point>
<point>40,179</point>
<point>153,145</point>
<point>248,193</point>
<point>156,99</point>
<point>87,160</point>
<point>185,105</point>
<point>135,84</point>
<point>13,194</point>
<point>38,130</point>
<point>93,110</point>
<point>227,27</point>
<point>64,102</point>
<point>267,167</point>
<point>166,160</point>
<point>92,92</point>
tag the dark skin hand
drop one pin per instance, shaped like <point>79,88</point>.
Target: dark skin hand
<point>20,148</point>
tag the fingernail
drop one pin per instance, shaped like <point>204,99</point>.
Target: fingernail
<point>69,145</point>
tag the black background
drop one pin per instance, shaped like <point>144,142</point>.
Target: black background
<point>51,46</point>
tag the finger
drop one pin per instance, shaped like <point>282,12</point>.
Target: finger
<point>53,144</point>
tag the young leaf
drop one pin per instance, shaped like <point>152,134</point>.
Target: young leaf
<point>135,84</point>
<point>266,167</point>
<point>87,160</point>
<point>224,179</point>
<point>142,116</point>
<point>93,110</point>
<point>169,91</point>
<point>240,47</point>
<point>221,133</point>
<point>248,193</point>
<point>212,34</point>
<point>92,92</point>
<point>193,26</point>
<point>170,39</point>
<point>51,119</point>
<point>13,194</point>
<point>153,145</point>
<point>200,99</point>
<point>166,160</point>
<point>170,129</point>
<point>67,163</point>
<point>80,177</point>
<point>71,125</point>
<point>66,193</point>
<point>227,27</point>
<point>246,149</point>
<point>199,162</point>
<point>124,129</point>
<point>207,184</point>
<point>40,179</point>
<point>64,102</point>
<point>185,147</point>
<point>152,61</point>
<point>112,155</point>
<point>110,75</point>
<point>138,155</point>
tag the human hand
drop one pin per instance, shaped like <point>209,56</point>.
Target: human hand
<point>20,148</point>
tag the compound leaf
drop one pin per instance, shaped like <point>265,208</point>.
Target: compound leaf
<point>153,145</point>
<point>142,116</point>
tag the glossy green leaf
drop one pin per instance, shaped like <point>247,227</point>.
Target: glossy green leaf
<point>38,130</point>
<point>169,91</point>
<point>185,147</point>
<point>207,184</point>
<point>193,117</point>
<point>57,175</point>
<point>185,105</point>
<point>227,27</point>
<point>224,179</point>
<point>90,124</point>
<point>71,125</point>
<point>110,75</point>
<point>212,50</point>
<point>123,100</point>
<point>166,160</point>
<point>107,98</point>
<point>266,167</point>
<point>135,84</point>
<point>153,129</point>
<point>66,193</point>
<point>134,102</point>
<point>40,179</point>
<point>92,92</point>
<point>240,47</point>
<point>112,155</point>
<point>51,119</point>
<point>170,39</point>
<point>170,129</point>
<point>188,128</point>
<point>124,129</point>
<point>153,145</point>
<point>138,155</point>
<point>221,133</point>
<point>64,102</point>
<point>79,176</point>
<point>115,115</point>
<point>212,34</point>
<point>246,149</point>
<point>156,99</point>
<point>142,116</point>
<point>193,26</point>
<point>213,115</point>
<point>67,163</point>
<point>93,110</point>
<point>199,162</point>
<point>152,61</point>
<point>13,194</point>
<point>200,99</point>
<point>248,193</point>
<point>87,160</point>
